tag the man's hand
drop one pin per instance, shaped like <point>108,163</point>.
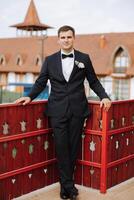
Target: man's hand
<point>23,100</point>
<point>105,103</point>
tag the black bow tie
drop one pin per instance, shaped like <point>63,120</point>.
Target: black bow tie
<point>67,55</point>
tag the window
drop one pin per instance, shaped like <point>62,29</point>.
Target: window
<point>29,78</point>
<point>121,89</point>
<point>121,61</point>
<point>2,60</point>
<point>38,61</point>
<point>107,84</point>
<point>19,60</point>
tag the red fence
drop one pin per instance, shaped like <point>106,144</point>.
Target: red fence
<point>27,153</point>
<point>107,156</point>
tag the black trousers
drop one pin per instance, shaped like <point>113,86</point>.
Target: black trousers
<point>67,134</point>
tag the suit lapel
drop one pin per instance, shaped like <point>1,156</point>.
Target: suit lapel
<point>59,65</point>
<point>76,57</point>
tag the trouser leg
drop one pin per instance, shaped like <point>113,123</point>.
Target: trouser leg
<point>75,132</point>
<point>67,134</point>
<point>60,129</point>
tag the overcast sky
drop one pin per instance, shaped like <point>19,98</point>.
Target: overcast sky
<point>86,16</point>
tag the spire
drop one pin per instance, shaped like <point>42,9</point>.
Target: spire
<point>31,17</point>
<point>31,21</point>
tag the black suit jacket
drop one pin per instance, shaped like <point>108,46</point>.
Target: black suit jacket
<point>65,93</point>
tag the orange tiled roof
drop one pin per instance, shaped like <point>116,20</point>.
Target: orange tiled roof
<point>100,47</point>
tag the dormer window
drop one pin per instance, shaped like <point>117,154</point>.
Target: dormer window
<point>121,61</point>
<point>2,60</point>
<point>19,61</point>
<point>38,61</point>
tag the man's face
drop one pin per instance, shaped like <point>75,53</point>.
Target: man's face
<point>66,40</point>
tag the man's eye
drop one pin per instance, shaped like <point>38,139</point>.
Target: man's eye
<point>69,37</point>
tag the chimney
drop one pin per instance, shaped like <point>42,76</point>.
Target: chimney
<point>102,41</point>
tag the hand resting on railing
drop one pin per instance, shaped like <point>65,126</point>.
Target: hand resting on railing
<point>23,100</point>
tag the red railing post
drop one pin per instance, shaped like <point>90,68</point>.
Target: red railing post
<point>103,180</point>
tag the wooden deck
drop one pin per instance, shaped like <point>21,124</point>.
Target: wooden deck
<point>123,191</point>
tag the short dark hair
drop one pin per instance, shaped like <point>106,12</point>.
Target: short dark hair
<point>66,28</point>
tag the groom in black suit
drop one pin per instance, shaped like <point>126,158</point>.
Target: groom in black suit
<point>67,104</point>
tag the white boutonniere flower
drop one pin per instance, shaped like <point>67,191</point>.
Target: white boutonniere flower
<point>79,64</point>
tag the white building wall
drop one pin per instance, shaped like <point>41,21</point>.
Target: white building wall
<point>18,78</point>
<point>132,88</point>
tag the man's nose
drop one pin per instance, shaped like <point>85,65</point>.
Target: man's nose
<point>66,39</point>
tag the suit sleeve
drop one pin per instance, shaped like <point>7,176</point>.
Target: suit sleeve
<point>41,81</point>
<point>94,83</point>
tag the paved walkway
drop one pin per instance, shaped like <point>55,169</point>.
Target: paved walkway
<point>123,191</point>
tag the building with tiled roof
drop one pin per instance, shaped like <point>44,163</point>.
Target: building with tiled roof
<point>112,55</point>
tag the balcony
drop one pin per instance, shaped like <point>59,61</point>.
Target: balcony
<point>27,153</point>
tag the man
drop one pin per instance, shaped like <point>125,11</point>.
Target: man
<point>67,105</point>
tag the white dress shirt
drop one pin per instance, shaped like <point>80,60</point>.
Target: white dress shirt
<point>67,65</point>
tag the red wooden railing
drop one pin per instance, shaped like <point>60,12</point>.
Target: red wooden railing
<point>27,153</point>
<point>107,158</point>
